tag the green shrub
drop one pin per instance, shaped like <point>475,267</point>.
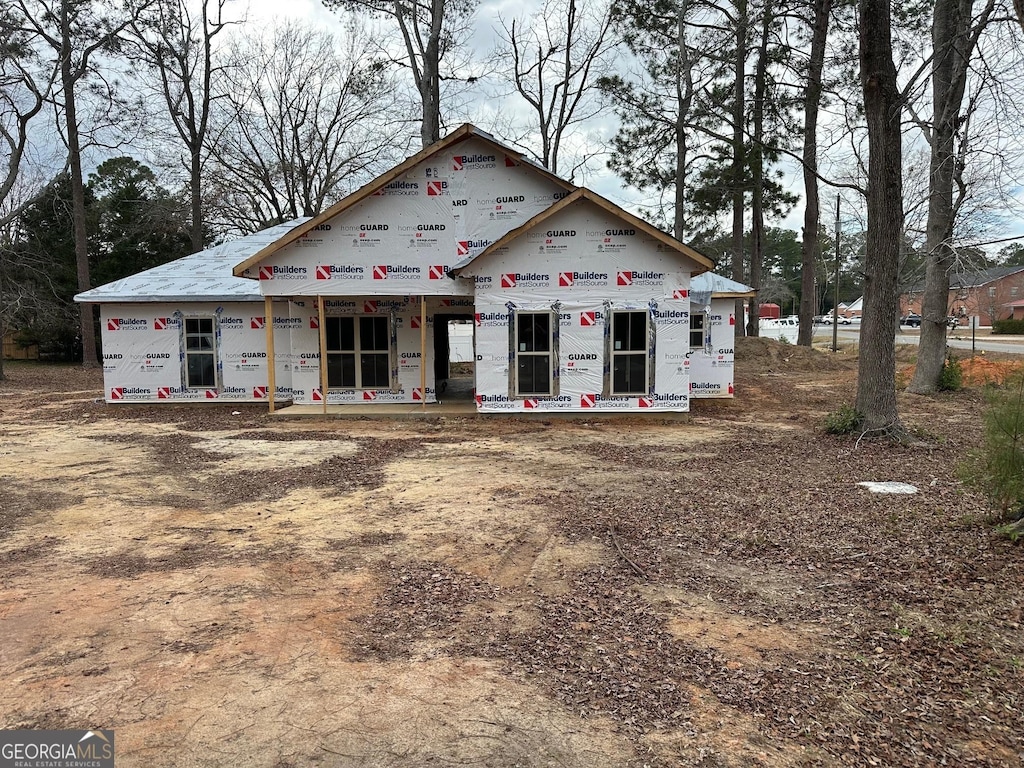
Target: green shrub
<point>844,420</point>
<point>951,378</point>
<point>1000,466</point>
<point>1008,326</point>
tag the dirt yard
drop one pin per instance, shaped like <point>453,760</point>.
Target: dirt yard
<point>236,589</point>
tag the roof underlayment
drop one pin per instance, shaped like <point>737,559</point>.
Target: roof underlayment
<point>203,276</point>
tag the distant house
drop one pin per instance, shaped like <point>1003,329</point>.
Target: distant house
<point>987,294</point>
<point>853,309</point>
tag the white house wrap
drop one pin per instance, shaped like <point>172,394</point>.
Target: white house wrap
<point>576,304</point>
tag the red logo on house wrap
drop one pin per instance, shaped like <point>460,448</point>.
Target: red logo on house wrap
<point>211,394</point>
<point>255,323</point>
<point>163,393</point>
<point>510,163</point>
<point>369,306</point>
<point>436,272</point>
<point>479,400</point>
<point>457,163</point>
<point>731,391</point>
<point>314,322</point>
<point>624,278</point>
<point>414,321</point>
<point>380,273</point>
<point>476,317</point>
<point>645,402</point>
<point>565,280</point>
<point>508,280</point>
<point>462,248</point>
<point>259,392</point>
<point>417,393</point>
<point>530,403</point>
<point>680,294</point>
<point>434,188</point>
<point>117,393</point>
<point>266,273</point>
<point>369,395</point>
<point>323,272</point>
<point>588,319</point>
<point>161,323</point>
<point>113,324</point>
<point>318,396</point>
<point>588,401</point>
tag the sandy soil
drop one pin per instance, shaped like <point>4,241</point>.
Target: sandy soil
<point>236,590</point>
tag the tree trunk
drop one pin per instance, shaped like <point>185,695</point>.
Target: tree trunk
<point>812,100</point>
<point>876,372</point>
<point>430,87</point>
<point>757,165</point>
<point>739,162</point>
<point>951,32</point>
<point>86,324</point>
<point>684,98</point>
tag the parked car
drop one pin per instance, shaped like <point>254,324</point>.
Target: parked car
<point>912,320</point>
<point>827,320</point>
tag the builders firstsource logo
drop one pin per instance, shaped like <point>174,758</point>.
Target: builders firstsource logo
<point>644,278</point>
<point>131,393</point>
<point>525,280</point>
<point>582,279</point>
<point>286,272</point>
<point>396,272</point>
<point>339,272</point>
<point>127,324</point>
<point>465,162</point>
<point>465,247</point>
<point>398,188</point>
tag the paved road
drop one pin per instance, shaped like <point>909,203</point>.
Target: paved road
<point>960,339</point>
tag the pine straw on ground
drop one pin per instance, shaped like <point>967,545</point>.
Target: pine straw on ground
<point>905,611</point>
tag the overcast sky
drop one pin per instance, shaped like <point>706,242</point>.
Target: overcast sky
<point>602,181</point>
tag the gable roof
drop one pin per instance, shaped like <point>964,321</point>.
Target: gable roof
<point>720,287</point>
<point>460,134</point>
<point>203,276</point>
<point>582,193</point>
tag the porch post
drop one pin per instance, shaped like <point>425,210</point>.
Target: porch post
<point>323,351</point>
<point>423,352</point>
<point>268,324</point>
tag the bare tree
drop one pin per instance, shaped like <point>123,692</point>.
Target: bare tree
<point>76,31</point>
<point>883,109</point>
<point>557,56</point>
<point>24,90</point>
<point>955,35</point>
<point>820,10</point>
<point>177,43</point>
<point>432,32</point>
<point>304,121</point>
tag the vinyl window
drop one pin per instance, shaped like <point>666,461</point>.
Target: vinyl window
<point>358,352</point>
<point>200,353</point>
<point>533,345</point>
<point>629,352</point>
<point>698,324</point>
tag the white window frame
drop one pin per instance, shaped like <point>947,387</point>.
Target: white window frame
<point>357,352</point>
<point>200,350</point>
<point>547,355</point>
<point>617,353</point>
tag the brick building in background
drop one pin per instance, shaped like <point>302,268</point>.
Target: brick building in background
<point>987,294</point>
